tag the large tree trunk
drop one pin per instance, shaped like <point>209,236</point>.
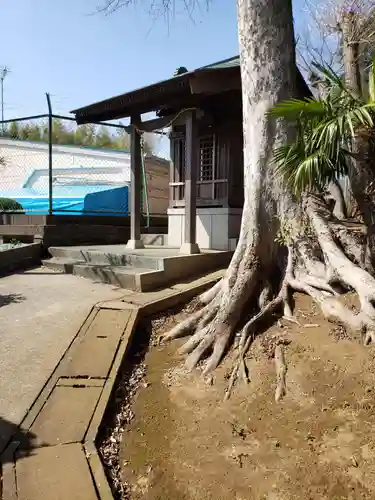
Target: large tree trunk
<point>362,181</point>
<point>350,48</point>
<point>268,72</point>
<point>361,171</point>
<point>281,247</point>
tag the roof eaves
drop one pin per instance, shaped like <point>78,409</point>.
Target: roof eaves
<point>184,77</point>
<point>178,81</point>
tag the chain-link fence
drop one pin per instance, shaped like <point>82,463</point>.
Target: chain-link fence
<point>49,165</point>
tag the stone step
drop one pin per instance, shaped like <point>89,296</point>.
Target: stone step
<point>64,265</point>
<point>109,257</point>
<point>21,230</point>
<point>66,252</point>
<point>130,278</point>
<point>143,269</point>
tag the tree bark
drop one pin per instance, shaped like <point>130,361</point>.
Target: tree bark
<point>268,72</point>
<point>350,43</point>
<point>281,247</point>
<point>361,171</point>
<point>337,195</point>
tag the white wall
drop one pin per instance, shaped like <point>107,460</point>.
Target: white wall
<point>26,165</point>
<point>216,228</point>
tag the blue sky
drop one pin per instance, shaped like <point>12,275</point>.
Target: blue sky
<point>56,46</point>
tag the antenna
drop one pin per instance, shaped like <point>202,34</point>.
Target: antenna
<point>3,73</point>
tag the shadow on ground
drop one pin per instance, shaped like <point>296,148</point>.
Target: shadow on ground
<point>11,298</point>
<point>25,441</point>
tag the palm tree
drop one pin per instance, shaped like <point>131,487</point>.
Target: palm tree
<point>326,127</point>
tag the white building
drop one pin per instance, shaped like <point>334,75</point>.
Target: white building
<point>76,171</point>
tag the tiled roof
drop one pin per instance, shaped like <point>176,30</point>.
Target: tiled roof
<point>158,94</point>
<point>232,62</point>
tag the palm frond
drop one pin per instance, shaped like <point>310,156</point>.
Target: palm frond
<point>292,109</point>
<point>325,128</point>
<point>333,132</point>
<point>312,172</point>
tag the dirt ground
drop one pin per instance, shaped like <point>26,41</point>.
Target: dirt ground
<point>186,443</point>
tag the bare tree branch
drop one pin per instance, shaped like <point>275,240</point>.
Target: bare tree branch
<point>320,40</point>
<point>317,41</point>
<point>330,13</point>
<point>156,8</point>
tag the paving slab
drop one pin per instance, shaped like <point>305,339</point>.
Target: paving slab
<point>93,357</point>
<point>194,282</point>
<point>72,408</point>
<point>116,304</point>
<point>140,299</point>
<point>40,314</point>
<point>66,415</point>
<point>55,473</point>
<point>79,382</point>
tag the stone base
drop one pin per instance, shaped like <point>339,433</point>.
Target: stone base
<point>135,244</point>
<point>189,248</point>
<point>217,228</point>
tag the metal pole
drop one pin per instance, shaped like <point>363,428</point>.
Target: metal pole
<point>4,72</point>
<point>2,104</point>
<point>144,185</point>
<point>50,163</point>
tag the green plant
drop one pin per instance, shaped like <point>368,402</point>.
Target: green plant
<point>9,205</point>
<point>14,242</point>
<point>325,128</point>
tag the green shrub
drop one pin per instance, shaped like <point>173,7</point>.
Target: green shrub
<point>9,205</point>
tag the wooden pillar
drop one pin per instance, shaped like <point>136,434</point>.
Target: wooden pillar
<point>171,170</point>
<point>135,189</point>
<point>189,246</point>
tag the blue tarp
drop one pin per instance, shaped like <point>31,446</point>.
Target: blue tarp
<point>74,200</point>
<point>110,201</point>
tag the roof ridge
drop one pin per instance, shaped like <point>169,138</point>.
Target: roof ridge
<point>228,59</point>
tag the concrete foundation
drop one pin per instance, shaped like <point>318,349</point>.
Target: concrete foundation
<point>217,228</point>
<point>54,230</point>
<point>142,269</point>
<point>19,257</point>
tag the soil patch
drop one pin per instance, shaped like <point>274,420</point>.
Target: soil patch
<point>186,443</point>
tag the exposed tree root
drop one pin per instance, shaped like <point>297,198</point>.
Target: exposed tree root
<point>292,320</point>
<point>232,380</point>
<point>265,295</point>
<point>244,372</point>
<point>210,294</point>
<point>369,337</point>
<point>345,270</point>
<point>353,239</point>
<point>200,317</point>
<point>281,369</point>
<point>320,264</point>
<point>337,196</point>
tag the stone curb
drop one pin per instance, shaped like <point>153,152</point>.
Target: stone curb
<point>137,305</point>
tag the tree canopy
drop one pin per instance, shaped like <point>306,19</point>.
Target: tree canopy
<point>66,133</point>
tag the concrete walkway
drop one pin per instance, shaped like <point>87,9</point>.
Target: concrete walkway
<point>40,313</point>
<point>52,331</point>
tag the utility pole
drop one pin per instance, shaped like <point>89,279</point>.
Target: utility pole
<point>3,73</point>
